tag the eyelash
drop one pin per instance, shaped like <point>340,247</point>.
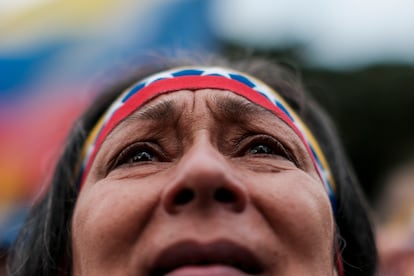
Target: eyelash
<point>126,155</point>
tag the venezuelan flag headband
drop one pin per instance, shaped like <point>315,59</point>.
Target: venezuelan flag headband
<point>203,78</point>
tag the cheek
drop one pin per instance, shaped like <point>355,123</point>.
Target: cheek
<point>297,209</point>
<point>109,218</point>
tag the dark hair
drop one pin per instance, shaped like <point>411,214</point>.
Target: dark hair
<point>44,244</point>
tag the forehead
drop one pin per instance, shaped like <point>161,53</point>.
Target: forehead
<point>223,105</point>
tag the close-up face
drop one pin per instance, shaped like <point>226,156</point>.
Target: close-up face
<point>198,183</point>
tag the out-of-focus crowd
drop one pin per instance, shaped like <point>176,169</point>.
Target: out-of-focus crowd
<point>395,223</point>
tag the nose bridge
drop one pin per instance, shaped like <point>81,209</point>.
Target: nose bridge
<point>203,158</point>
<point>203,179</point>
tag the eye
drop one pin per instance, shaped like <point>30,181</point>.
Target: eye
<point>141,152</point>
<point>266,146</point>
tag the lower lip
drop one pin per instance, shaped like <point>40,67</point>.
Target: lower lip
<point>208,270</point>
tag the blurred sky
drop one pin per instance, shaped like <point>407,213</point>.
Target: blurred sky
<point>334,34</point>
<point>52,51</point>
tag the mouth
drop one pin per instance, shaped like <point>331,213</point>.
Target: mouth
<point>216,258</point>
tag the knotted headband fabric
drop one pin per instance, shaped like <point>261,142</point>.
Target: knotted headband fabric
<point>203,78</point>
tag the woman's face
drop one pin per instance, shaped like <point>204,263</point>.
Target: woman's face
<point>202,183</point>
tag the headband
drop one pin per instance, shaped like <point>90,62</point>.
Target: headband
<point>203,78</point>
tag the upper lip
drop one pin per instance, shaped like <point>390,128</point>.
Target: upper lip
<point>218,252</point>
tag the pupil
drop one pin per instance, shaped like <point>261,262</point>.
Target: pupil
<point>142,156</point>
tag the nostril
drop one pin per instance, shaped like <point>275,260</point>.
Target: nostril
<point>224,195</point>
<point>184,196</point>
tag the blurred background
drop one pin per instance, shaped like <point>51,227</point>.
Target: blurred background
<point>355,57</point>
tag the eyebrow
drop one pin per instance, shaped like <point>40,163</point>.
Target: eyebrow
<point>237,109</point>
<point>156,112</point>
<point>163,111</point>
<point>160,111</point>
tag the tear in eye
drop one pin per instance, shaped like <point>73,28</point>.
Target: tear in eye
<point>142,157</point>
<point>260,149</point>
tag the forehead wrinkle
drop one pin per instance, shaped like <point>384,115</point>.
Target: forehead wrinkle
<point>236,108</point>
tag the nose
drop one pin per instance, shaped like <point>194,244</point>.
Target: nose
<point>204,179</point>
